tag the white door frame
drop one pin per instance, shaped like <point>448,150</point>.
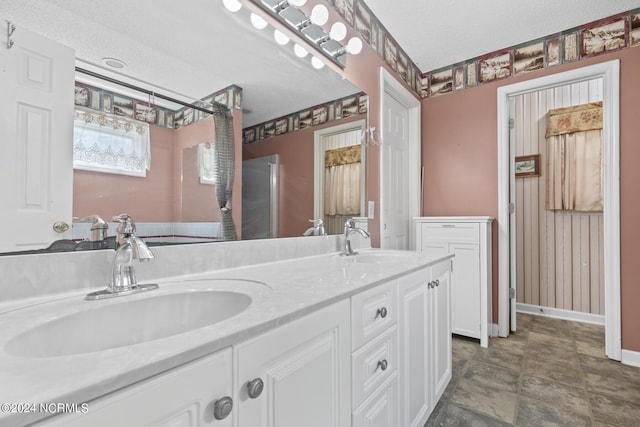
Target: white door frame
<point>610,73</point>
<point>318,165</point>
<point>392,87</point>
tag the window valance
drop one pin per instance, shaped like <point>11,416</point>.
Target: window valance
<point>342,156</point>
<point>579,118</point>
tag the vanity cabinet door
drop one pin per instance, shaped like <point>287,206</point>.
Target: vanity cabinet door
<point>415,347</point>
<point>440,324</point>
<point>183,397</point>
<point>298,374</point>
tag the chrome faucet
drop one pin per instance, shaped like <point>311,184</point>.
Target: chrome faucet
<point>317,229</point>
<point>129,248</point>
<point>350,227</point>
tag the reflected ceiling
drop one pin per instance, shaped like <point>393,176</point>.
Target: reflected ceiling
<point>190,49</point>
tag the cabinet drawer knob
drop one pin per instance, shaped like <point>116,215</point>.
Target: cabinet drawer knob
<point>382,312</point>
<point>382,364</point>
<point>222,408</point>
<point>430,284</point>
<point>254,388</point>
<point>437,282</point>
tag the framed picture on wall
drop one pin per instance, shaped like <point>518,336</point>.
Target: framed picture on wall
<point>527,166</point>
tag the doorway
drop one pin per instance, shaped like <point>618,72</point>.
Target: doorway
<point>399,163</point>
<point>326,140</point>
<point>609,72</point>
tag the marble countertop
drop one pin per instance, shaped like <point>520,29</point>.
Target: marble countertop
<point>288,290</point>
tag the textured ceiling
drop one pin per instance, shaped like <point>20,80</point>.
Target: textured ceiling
<point>436,34</point>
<point>197,47</point>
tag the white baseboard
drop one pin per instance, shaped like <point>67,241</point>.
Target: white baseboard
<point>631,358</point>
<point>558,313</point>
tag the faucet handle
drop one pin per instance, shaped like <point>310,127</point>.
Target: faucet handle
<point>126,224</point>
<point>316,222</point>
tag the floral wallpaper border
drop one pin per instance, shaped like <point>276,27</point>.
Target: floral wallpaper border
<point>605,35</point>
<point>106,101</point>
<point>320,114</point>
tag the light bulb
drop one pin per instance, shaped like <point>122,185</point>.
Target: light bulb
<point>300,51</point>
<point>257,21</point>
<point>281,38</point>
<point>317,63</point>
<point>319,14</point>
<point>232,5</point>
<point>354,46</point>
<point>338,31</point>
<point>297,3</point>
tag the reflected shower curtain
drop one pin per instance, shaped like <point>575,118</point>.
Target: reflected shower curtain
<point>341,187</point>
<point>224,157</point>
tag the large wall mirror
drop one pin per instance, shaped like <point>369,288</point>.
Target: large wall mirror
<point>191,50</point>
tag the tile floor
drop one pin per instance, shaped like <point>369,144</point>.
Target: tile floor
<point>549,373</point>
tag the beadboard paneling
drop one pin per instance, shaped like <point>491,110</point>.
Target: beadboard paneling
<point>559,255</point>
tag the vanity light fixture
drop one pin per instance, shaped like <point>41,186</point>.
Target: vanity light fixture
<point>281,38</point>
<point>354,46</point>
<point>310,28</point>
<point>338,31</point>
<point>319,14</point>
<point>232,5</point>
<point>300,51</point>
<point>317,62</point>
<point>257,21</point>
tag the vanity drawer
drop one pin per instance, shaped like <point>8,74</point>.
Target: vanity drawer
<point>373,364</point>
<point>450,232</point>
<point>372,312</point>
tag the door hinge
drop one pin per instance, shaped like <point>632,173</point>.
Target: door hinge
<point>512,207</point>
<point>512,292</point>
<point>512,123</point>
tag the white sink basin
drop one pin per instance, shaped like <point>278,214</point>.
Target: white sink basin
<point>124,321</point>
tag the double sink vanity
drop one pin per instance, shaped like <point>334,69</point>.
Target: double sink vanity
<point>284,332</point>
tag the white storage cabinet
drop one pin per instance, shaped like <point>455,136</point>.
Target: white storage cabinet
<point>469,238</point>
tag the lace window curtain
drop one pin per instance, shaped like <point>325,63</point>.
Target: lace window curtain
<point>206,163</point>
<point>110,144</point>
<point>574,158</point>
<point>342,184</point>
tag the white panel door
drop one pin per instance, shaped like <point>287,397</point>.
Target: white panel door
<point>394,202</point>
<point>36,139</point>
<point>465,290</point>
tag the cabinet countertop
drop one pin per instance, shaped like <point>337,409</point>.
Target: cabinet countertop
<point>290,290</point>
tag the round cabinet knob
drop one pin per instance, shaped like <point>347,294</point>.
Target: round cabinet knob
<point>430,284</point>
<point>222,408</point>
<point>254,388</point>
<point>437,282</point>
<point>60,226</point>
<point>382,364</point>
<point>382,312</point>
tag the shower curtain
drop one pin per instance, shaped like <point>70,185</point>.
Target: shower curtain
<point>223,143</point>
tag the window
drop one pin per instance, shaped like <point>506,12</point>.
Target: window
<point>206,163</point>
<point>110,144</point>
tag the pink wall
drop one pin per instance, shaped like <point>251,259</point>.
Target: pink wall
<point>459,155</point>
<point>145,199</point>
<point>295,189</point>
<point>159,197</point>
